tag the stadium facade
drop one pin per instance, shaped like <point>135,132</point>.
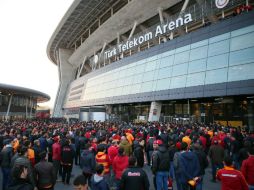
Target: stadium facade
<point>18,102</point>
<point>156,60</point>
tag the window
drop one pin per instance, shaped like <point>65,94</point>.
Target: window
<point>241,42</point>
<point>216,76</point>
<point>197,66</point>
<point>195,79</point>
<point>234,73</point>
<point>167,61</point>
<point>241,56</point>
<point>178,82</point>
<point>219,38</point>
<point>218,61</point>
<point>182,57</point>
<point>164,72</point>
<point>180,69</point>
<point>199,44</point>
<point>163,84</point>
<point>198,53</point>
<point>218,48</point>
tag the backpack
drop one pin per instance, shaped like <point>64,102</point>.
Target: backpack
<point>163,161</point>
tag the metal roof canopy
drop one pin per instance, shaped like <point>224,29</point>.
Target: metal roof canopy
<point>80,16</point>
<point>16,90</point>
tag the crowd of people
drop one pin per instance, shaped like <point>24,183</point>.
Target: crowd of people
<point>36,154</point>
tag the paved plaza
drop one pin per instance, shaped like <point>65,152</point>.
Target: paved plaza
<point>208,185</point>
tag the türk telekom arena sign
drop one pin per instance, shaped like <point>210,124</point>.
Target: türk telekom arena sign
<point>159,30</point>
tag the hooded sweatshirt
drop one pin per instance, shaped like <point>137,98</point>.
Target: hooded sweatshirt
<point>102,158</point>
<point>189,166</point>
<point>99,183</point>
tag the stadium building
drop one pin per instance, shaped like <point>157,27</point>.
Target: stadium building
<point>163,60</point>
<point>18,102</point>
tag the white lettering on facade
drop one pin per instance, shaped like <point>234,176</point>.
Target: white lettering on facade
<point>160,30</point>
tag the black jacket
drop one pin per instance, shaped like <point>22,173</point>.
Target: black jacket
<point>45,174</point>
<point>139,154</point>
<point>203,161</point>
<point>87,162</point>
<point>5,157</point>
<point>67,155</point>
<point>20,184</point>
<point>134,178</point>
<point>161,160</point>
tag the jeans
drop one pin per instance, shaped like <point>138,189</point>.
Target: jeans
<point>215,167</point>
<point>162,180</point>
<point>66,173</point>
<point>251,187</point>
<point>172,171</point>
<point>6,177</point>
<point>56,164</point>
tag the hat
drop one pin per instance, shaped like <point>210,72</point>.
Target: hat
<point>178,145</point>
<point>158,142</point>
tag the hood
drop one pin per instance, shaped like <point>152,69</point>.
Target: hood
<point>86,152</point>
<point>162,149</point>
<point>124,142</point>
<point>100,154</point>
<point>97,179</point>
<point>188,155</point>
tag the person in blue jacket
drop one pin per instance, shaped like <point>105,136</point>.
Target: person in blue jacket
<point>98,182</point>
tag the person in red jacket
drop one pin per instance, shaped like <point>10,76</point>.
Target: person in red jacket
<point>120,163</point>
<point>113,150</point>
<point>231,178</point>
<point>248,169</point>
<point>56,155</point>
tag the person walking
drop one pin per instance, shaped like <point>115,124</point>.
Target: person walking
<point>248,169</point>
<point>45,174</point>
<point>56,155</point>
<point>134,177</point>
<point>216,154</point>
<point>120,163</point>
<point>161,166</point>
<point>5,160</point>
<point>231,178</point>
<point>67,156</point>
<point>98,181</point>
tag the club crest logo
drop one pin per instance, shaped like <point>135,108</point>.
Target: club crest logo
<point>221,3</point>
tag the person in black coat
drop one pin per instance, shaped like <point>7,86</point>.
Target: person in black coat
<point>20,182</point>
<point>139,154</point>
<point>134,178</point>
<point>67,156</point>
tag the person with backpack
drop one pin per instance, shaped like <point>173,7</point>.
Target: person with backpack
<point>149,147</point>
<point>161,165</point>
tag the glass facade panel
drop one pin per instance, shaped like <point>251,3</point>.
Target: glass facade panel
<point>198,53</point>
<point>181,57</point>
<point>167,61</point>
<point>218,48</point>
<point>241,56</point>
<point>199,44</point>
<point>216,76</point>
<point>164,73</point>
<point>247,69</point>
<point>241,42</point>
<point>205,62</point>
<point>195,79</point>
<point>219,38</point>
<point>197,66</point>
<point>178,82</point>
<point>180,69</point>
<point>163,84</point>
<point>217,62</point>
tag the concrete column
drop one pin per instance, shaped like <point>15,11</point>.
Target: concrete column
<point>155,111</point>
<point>9,107</point>
<point>66,75</point>
<point>251,114</point>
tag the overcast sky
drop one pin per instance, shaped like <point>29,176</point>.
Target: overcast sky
<point>26,27</point>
